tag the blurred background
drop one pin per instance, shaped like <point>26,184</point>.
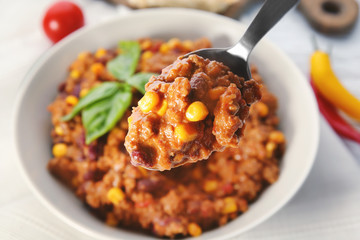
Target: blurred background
<point>23,41</point>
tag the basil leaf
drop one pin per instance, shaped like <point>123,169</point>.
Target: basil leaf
<point>100,117</point>
<point>124,65</point>
<point>104,90</point>
<point>139,80</point>
<point>95,111</point>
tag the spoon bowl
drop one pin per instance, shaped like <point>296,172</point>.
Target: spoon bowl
<point>235,62</point>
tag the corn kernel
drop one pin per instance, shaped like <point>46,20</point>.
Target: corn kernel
<point>262,109</point>
<point>230,205</point>
<point>149,101</point>
<point>71,100</point>
<point>216,92</point>
<point>146,44</point>
<point>188,45</point>
<point>83,55</point>
<point>210,185</point>
<point>115,195</point>
<point>197,111</point>
<point>173,43</point>
<point>59,150</point>
<point>111,220</point>
<point>277,137</point>
<point>100,52</point>
<point>74,74</point>
<point>146,55</point>
<point>270,147</point>
<point>162,110</point>
<point>185,132</point>
<point>164,48</point>
<point>83,92</point>
<point>130,120</point>
<point>97,68</point>
<point>194,229</point>
<point>59,131</point>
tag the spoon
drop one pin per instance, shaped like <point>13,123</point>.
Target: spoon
<point>236,57</point>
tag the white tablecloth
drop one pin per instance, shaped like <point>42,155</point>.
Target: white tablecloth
<point>326,207</point>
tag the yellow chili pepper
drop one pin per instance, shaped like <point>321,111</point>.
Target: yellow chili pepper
<point>330,87</point>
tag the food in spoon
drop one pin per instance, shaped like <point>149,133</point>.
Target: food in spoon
<point>195,107</point>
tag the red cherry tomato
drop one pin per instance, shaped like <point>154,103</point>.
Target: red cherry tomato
<point>61,19</point>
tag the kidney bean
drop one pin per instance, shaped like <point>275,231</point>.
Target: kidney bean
<point>76,90</point>
<point>89,175</point>
<point>199,84</point>
<point>61,87</point>
<point>149,185</point>
<point>143,158</point>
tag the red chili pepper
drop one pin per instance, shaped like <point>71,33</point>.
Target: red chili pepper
<point>227,188</point>
<point>330,113</point>
<point>143,204</point>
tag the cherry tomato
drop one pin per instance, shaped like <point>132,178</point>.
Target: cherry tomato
<point>61,19</point>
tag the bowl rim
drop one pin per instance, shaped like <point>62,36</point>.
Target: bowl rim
<point>27,80</point>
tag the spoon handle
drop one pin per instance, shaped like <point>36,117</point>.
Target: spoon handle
<point>270,13</point>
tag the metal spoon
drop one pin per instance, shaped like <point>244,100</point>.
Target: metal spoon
<point>236,57</point>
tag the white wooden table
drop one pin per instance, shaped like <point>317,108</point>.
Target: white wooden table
<point>326,207</point>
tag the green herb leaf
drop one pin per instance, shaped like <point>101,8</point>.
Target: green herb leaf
<point>105,90</point>
<point>124,65</point>
<point>104,105</point>
<point>139,80</point>
<point>101,116</point>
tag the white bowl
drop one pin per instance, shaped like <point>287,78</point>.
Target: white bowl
<point>297,111</point>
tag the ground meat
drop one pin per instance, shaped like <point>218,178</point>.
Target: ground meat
<point>164,139</point>
<point>182,202</point>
